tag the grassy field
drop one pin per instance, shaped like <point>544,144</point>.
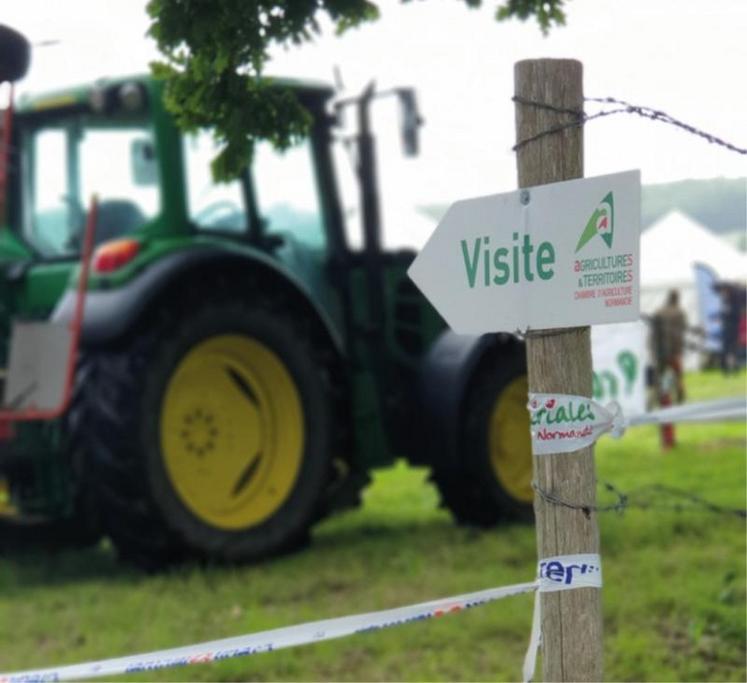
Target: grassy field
<point>674,593</point>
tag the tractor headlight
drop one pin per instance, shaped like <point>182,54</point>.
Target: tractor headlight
<point>132,97</point>
<point>98,99</point>
<point>128,97</point>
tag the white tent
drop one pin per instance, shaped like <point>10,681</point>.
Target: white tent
<point>669,251</point>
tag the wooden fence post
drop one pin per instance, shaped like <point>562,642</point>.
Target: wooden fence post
<point>560,362</point>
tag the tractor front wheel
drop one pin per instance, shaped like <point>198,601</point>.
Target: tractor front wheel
<point>490,480</point>
<point>211,436</point>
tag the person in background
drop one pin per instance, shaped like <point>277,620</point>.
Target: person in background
<point>669,325</point>
<point>732,314</point>
<point>742,327</point>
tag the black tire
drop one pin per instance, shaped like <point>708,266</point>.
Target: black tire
<point>82,528</point>
<point>150,522</point>
<point>471,487</point>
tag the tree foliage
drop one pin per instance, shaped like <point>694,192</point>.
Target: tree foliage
<point>215,52</point>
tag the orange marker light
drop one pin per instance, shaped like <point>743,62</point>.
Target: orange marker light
<point>111,256</point>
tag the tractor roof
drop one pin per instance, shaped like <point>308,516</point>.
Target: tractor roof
<point>80,95</point>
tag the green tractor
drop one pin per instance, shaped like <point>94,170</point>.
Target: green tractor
<point>243,367</point>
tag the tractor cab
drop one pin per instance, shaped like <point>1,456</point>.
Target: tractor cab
<point>73,145</point>
<point>115,140</point>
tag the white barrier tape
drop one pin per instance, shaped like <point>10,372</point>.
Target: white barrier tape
<point>705,411</point>
<point>267,641</point>
<point>566,572</point>
<point>563,423</point>
<point>535,641</point>
<point>559,573</point>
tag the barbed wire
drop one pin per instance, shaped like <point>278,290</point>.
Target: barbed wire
<point>686,501</point>
<point>692,500</point>
<point>586,508</point>
<point>581,118</point>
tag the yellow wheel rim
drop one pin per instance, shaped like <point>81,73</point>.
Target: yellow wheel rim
<point>509,441</point>
<point>232,432</point>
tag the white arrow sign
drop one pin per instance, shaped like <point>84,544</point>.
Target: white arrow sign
<point>557,255</point>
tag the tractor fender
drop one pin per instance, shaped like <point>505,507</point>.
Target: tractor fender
<point>111,313</point>
<point>445,375</point>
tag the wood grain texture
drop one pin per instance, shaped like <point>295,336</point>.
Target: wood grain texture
<point>560,362</point>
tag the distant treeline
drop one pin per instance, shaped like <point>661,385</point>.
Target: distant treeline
<point>720,203</point>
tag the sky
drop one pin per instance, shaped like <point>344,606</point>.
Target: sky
<point>681,56</point>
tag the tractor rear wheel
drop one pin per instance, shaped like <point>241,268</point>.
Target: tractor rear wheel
<point>211,436</point>
<point>492,479</point>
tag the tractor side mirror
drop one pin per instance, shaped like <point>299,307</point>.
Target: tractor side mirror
<point>144,162</point>
<point>410,121</point>
<point>15,55</point>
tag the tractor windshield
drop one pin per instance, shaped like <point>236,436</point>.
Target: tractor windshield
<point>281,191</point>
<point>67,160</point>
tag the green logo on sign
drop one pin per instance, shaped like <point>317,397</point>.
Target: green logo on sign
<point>602,223</point>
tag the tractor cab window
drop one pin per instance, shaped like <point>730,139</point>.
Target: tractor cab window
<point>287,196</point>
<point>67,162</point>
<point>211,205</point>
<point>279,193</point>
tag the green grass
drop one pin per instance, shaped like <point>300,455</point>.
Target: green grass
<point>674,593</point>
